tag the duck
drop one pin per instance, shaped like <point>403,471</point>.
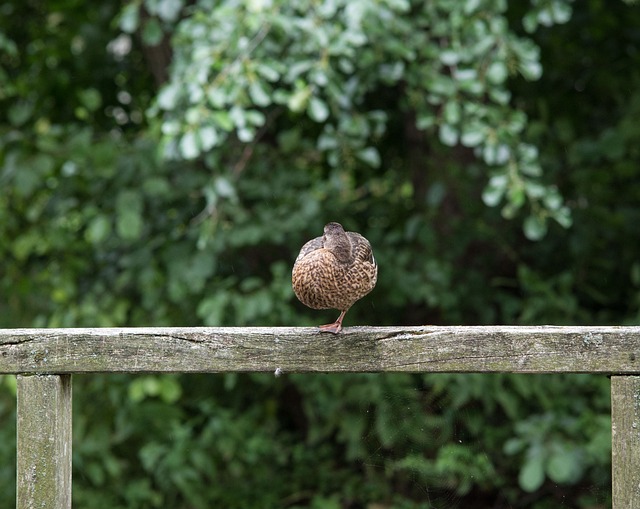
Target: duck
<point>334,271</point>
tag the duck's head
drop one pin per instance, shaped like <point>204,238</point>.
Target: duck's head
<point>335,240</point>
<point>333,229</point>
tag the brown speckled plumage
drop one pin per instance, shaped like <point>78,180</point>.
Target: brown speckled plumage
<point>334,271</point>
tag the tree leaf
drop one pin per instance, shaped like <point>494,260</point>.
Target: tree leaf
<point>299,99</point>
<point>472,135</point>
<point>448,135</point>
<point>19,112</point>
<point>534,227</point>
<point>169,10</point>
<point>497,72</point>
<point>491,195</point>
<point>130,18</point>
<point>98,229</point>
<point>318,109</point>
<point>152,32</point>
<point>90,98</point>
<point>564,467</point>
<point>129,214</point>
<point>258,94</point>
<point>371,156</point>
<point>189,146</point>
<point>208,137</point>
<point>531,474</point>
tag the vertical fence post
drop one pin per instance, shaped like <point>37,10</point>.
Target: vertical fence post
<point>625,436</point>
<point>44,442</point>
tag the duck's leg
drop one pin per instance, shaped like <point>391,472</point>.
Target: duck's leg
<point>334,327</point>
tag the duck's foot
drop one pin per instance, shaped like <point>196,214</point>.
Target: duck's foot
<point>331,327</point>
<point>334,327</point>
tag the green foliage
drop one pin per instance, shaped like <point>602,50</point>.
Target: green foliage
<point>124,204</point>
<point>238,67</point>
<point>195,440</point>
<point>8,442</point>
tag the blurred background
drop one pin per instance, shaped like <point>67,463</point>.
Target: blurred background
<point>162,162</point>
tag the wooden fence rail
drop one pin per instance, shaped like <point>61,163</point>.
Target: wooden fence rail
<point>45,359</point>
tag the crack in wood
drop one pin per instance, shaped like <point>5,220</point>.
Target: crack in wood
<point>168,336</point>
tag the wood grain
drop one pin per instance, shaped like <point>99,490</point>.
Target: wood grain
<point>539,349</point>
<point>44,442</point>
<point>625,437</point>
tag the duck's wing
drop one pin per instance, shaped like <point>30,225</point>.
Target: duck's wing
<point>312,245</point>
<point>362,251</point>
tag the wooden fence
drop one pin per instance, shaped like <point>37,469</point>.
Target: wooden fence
<point>45,359</point>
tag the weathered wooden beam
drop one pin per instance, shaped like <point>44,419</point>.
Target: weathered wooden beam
<point>44,442</point>
<point>543,349</point>
<point>625,436</point>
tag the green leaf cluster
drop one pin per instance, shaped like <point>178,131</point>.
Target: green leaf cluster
<point>237,68</point>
